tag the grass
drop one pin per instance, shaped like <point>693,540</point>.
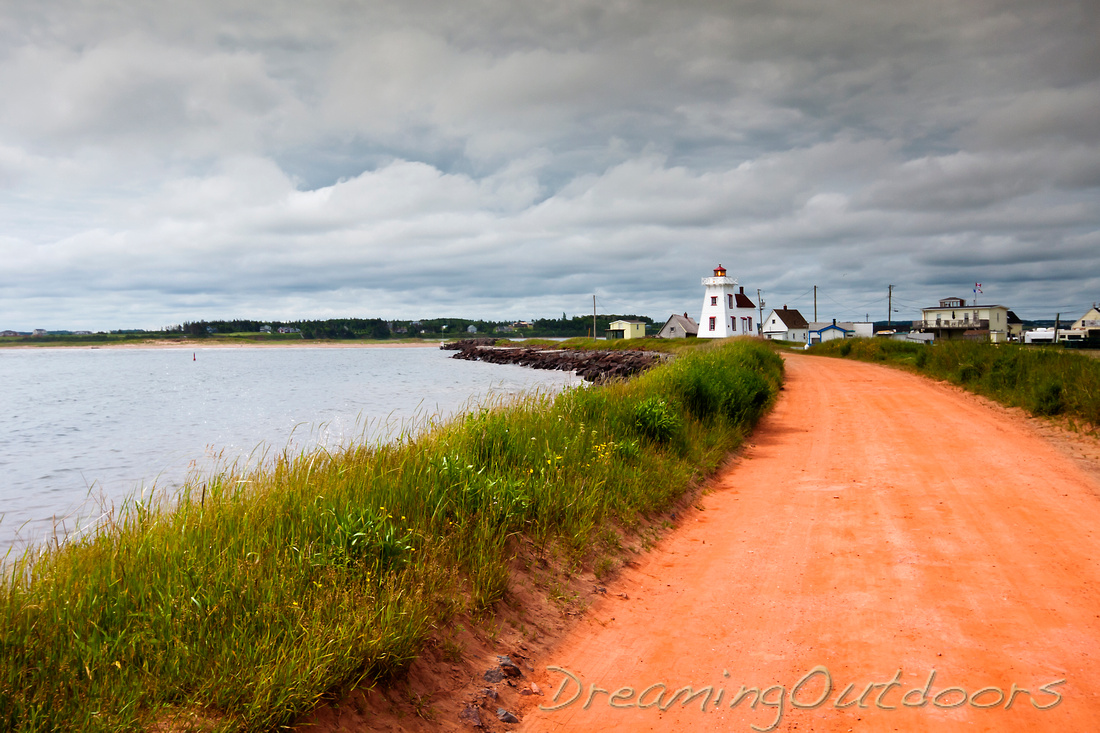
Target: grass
<point>1043,381</point>
<point>256,593</point>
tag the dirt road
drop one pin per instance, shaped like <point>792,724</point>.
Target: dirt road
<point>890,554</point>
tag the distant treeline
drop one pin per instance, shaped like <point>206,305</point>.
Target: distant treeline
<point>333,328</point>
<point>377,328</point>
<point>345,328</point>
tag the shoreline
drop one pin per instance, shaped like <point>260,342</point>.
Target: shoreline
<point>196,345</point>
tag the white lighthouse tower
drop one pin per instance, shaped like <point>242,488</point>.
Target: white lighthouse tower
<point>727,311</point>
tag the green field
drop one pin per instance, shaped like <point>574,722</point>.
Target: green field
<point>1042,380</point>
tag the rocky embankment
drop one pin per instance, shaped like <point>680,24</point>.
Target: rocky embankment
<point>592,366</point>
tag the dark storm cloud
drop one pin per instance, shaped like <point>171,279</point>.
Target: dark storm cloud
<point>500,159</point>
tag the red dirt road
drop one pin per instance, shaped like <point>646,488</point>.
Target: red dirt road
<point>880,529</point>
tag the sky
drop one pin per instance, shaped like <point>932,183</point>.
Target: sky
<point>509,159</point>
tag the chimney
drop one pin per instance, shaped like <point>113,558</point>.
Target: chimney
<point>742,290</point>
<point>834,321</point>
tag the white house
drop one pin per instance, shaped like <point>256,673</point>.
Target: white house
<point>786,324</point>
<point>727,311</point>
<point>678,327</point>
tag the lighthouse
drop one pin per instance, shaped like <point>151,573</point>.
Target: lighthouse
<point>727,311</point>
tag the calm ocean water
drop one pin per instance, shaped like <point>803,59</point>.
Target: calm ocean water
<point>84,428</point>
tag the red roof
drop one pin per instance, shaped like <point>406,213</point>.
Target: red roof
<point>791,318</point>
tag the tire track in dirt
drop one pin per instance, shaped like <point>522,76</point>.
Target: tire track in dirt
<point>881,527</point>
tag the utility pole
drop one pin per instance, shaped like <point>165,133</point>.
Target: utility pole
<point>1057,322</point>
<point>889,307</point>
<point>760,317</point>
<point>815,304</point>
<point>593,317</point>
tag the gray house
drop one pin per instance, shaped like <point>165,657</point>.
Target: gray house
<point>678,327</point>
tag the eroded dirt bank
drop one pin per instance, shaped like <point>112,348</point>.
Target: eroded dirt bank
<point>897,536</point>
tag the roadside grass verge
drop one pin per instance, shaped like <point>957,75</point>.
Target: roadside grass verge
<point>1043,381</point>
<point>259,591</point>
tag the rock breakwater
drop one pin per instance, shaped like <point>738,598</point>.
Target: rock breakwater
<point>592,366</point>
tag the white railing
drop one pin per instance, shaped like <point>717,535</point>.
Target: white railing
<point>982,324</point>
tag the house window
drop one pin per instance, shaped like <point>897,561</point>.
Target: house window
<point>713,301</point>
<point>712,323</point>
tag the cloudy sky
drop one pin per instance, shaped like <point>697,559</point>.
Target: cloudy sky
<point>163,162</point>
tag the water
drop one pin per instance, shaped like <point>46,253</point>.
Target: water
<point>82,429</point>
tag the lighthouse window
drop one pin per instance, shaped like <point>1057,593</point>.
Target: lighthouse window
<point>712,323</point>
<point>714,300</point>
<point>730,296</point>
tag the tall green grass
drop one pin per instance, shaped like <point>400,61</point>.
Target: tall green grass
<point>259,591</point>
<point>1044,381</point>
